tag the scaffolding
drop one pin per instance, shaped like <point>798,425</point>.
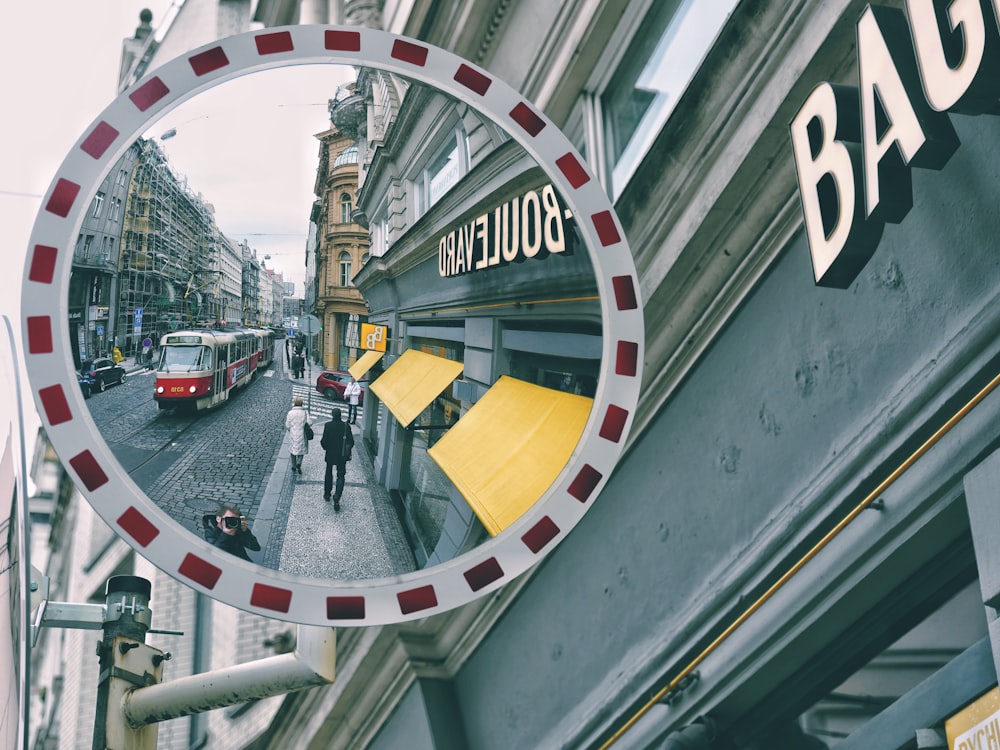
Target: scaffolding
<point>170,270</point>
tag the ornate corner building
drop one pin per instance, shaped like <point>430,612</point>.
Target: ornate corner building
<point>341,247</point>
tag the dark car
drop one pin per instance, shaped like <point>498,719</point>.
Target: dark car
<point>102,372</point>
<point>332,384</point>
<point>85,384</point>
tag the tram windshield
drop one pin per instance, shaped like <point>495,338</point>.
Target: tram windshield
<point>185,358</point>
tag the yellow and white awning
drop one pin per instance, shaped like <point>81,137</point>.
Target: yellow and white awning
<point>364,364</point>
<point>505,452</point>
<point>414,380</point>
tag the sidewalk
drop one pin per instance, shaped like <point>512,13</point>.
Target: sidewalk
<point>301,533</point>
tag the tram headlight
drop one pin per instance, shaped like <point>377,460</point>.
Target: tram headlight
<point>192,389</point>
<point>159,389</point>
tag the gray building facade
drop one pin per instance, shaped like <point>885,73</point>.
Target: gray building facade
<point>798,547</point>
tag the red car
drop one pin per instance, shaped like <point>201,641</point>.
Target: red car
<point>332,384</point>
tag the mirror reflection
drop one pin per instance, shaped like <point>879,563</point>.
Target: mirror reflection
<point>376,241</point>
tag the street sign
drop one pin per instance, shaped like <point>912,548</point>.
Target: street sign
<point>310,325</point>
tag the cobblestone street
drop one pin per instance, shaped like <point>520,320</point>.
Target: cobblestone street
<point>189,465</point>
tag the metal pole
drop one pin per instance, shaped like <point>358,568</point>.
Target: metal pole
<point>126,619</point>
<point>312,663</point>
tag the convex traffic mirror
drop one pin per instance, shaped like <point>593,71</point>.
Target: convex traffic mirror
<point>155,512</point>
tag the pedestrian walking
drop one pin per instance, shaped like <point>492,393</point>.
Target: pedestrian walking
<point>338,442</point>
<point>352,393</point>
<point>296,423</point>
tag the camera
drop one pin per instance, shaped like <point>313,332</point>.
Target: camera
<point>231,522</point>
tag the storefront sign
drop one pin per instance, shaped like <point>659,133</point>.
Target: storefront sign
<point>529,226</point>
<point>854,147</point>
<point>373,337</point>
<point>977,726</point>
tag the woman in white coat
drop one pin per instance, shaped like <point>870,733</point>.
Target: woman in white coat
<point>295,424</point>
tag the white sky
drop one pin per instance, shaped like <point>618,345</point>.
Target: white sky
<point>249,147</point>
<point>60,60</point>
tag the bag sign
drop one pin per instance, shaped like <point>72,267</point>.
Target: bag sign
<point>854,146</point>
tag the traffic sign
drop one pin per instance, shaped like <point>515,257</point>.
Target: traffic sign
<point>310,325</point>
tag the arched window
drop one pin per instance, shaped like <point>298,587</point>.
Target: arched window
<point>345,268</point>
<point>345,208</point>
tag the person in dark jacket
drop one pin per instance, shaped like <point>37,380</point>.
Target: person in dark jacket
<point>228,530</point>
<point>338,442</point>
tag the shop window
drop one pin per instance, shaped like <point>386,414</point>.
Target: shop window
<point>926,646</point>
<point>425,488</point>
<point>665,51</point>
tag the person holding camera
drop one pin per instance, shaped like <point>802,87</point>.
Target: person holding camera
<point>230,532</point>
<point>337,441</point>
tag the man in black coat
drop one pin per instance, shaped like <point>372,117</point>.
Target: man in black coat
<point>338,442</point>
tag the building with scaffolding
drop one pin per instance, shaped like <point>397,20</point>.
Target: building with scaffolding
<point>170,274</point>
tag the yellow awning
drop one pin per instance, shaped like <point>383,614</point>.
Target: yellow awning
<point>364,364</point>
<point>413,381</point>
<point>510,446</point>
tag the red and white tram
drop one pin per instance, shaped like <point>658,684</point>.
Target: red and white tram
<point>200,368</point>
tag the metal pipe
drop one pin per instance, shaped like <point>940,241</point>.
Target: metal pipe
<point>311,664</point>
<point>829,537</point>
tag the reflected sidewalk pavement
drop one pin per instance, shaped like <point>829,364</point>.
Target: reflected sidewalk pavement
<point>301,533</point>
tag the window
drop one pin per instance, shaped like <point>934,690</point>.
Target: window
<point>116,207</point>
<point>122,177</point>
<point>345,208</point>
<point>662,58</point>
<point>443,172</point>
<point>97,204</point>
<point>107,248</point>
<point>345,269</point>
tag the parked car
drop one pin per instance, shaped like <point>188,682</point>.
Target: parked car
<point>102,372</point>
<point>332,383</point>
<point>85,384</point>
